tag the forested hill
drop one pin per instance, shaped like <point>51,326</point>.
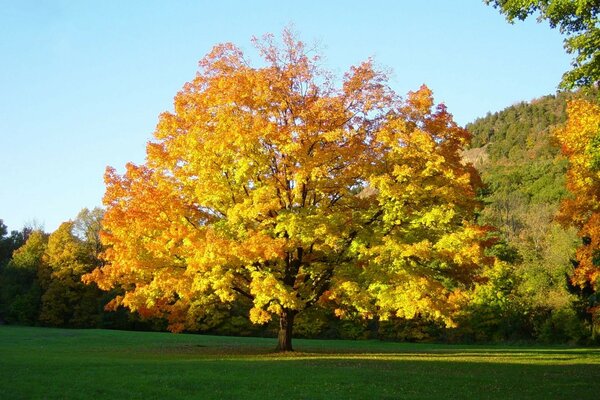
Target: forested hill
<point>521,131</point>
<point>524,175</point>
<point>523,171</point>
<point>516,153</point>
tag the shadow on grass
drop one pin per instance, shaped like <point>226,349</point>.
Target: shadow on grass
<point>81,364</point>
<point>355,377</point>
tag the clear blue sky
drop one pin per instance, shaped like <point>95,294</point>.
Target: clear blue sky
<point>83,82</point>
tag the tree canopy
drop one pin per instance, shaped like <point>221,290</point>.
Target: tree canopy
<point>580,140</point>
<point>273,184</point>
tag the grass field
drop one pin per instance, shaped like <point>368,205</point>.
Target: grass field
<point>38,363</point>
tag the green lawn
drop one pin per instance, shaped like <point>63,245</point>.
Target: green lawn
<point>38,363</point>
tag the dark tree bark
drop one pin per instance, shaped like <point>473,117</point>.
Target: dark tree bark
<point>286,326</point>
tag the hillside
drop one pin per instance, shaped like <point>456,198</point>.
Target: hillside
<point>519,152</point>
<point>523,172</point>
<point>519,160</point>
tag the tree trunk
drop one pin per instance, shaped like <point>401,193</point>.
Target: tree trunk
<point>286,325</point>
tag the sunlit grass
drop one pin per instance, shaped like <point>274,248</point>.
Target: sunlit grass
<point>41,363</point>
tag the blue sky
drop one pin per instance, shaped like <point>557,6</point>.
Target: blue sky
<point>82,83</point>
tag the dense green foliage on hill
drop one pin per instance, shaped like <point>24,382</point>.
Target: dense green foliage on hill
<point>524,175</point>
<point>521,164</point>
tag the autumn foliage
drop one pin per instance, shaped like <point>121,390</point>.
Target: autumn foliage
<point>276,185</point>
<point>580,140</point>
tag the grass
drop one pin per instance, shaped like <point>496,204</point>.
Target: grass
<point>40,363</point>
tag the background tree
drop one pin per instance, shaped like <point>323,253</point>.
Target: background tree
<point>580,139</point>
<point>578,19</point>
<point>6,247</point>
<point>19,283</point>
<point>274,185</point>
<point>86,227</point>
<point>9,279</point>
<point>10,242</point>
<point>66,301</point>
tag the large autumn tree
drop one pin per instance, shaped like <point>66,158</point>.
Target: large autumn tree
<point>273,184</point>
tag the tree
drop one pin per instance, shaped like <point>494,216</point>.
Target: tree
<point>580,140</point>
<point>87,226</point>
<point>9,243</point>
<point>578,19</point>
<point>72,250</point>
<point>272,184</point>
<point>5,245</point>
<point>66,301</point>
<point>19,284</point>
